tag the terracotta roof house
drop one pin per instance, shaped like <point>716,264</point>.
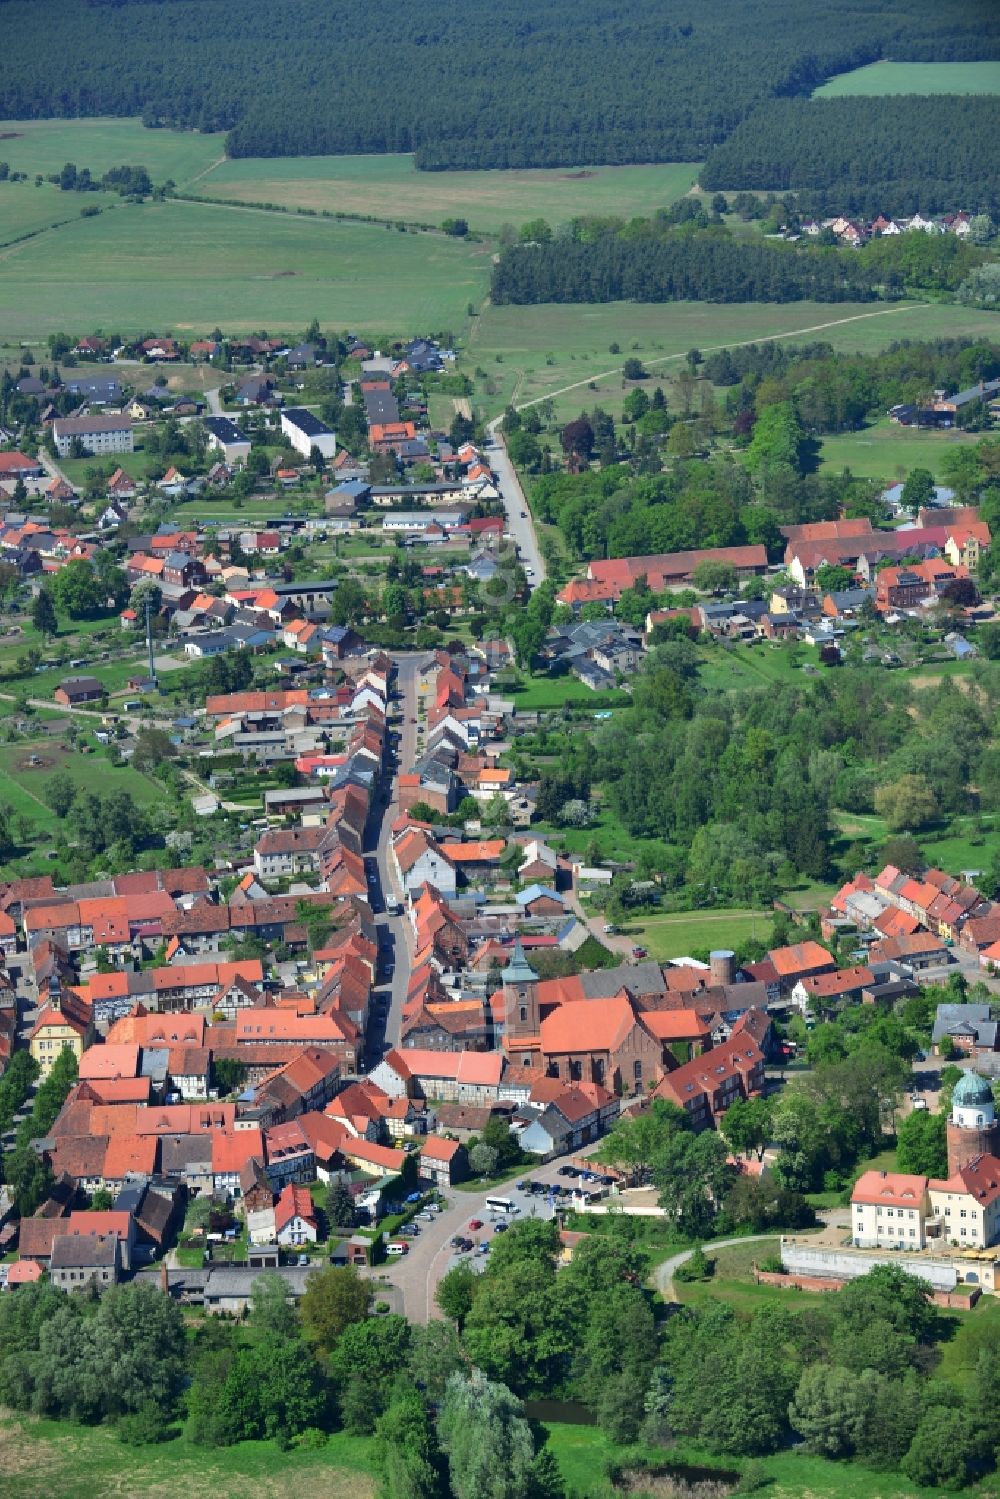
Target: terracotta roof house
<point>706,1086</point>
<point>799,961</point>
<point>442,1162</point>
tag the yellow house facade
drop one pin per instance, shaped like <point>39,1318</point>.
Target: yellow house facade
<point>57,1029</point>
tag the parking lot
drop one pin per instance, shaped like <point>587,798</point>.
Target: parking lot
<point>431,1252</point>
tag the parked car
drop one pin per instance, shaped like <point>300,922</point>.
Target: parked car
<point>501,1228</point>
<point>474,1224</point>
<point>397,1248</point>
<point>567,1171</point>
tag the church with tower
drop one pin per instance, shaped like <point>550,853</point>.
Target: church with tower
<point>594,1038</point>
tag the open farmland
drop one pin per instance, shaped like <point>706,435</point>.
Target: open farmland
<point>391,187</point>
<point>881,78</point>
<point>556,351</point>
<point>189,266</point>
<point>25,208</point>
<point>46,145</point>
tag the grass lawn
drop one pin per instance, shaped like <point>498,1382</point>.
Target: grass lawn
<point>758,665</point>
<point>75,1462</point>
<point>674,934</point>
<point>188,266</point>
<point>46,145</point>
<point>23,785</point>
<point>390,187</point>
<point>914,78</point>
<point>962,845</point>
<point>611,838</point>
<point>138,465</point>
<point>973,1330</point>
<point>888,451</point>
<point>583,1451</point>
<point>546,348</point>
<point>535,694</point>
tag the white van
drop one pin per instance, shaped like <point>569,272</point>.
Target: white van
<point>395,1250</point>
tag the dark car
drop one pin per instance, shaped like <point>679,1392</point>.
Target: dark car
<point>501,1228</point>
<point>457,1240</point>
<point>567,1171</point>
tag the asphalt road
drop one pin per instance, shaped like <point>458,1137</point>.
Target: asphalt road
<point>431,1256</point>
<point>519,521</point>
<point>395,936</point>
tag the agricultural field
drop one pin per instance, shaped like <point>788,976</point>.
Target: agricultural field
<point>188,266</point>
<point>26,209</point>
<point>529,354</point>
<point>881,78</point>
<point>390,187</point>
<point>887,451</point>
<point>46,145</point>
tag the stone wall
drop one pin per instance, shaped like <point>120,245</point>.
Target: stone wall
<point>800,1258</point>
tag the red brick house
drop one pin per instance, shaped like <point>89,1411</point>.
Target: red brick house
<point>706,1086</point>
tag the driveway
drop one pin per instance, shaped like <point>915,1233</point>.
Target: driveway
<point>663,1275</point>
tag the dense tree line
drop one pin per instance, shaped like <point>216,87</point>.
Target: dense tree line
<point>893,155</point>
<point>666,265</point>
<point>566,85</point>
<point>739,788</point>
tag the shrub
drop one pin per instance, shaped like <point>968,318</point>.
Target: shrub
<point>698,1267</point>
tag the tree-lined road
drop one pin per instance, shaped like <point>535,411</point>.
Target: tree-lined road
<point>519,522</point>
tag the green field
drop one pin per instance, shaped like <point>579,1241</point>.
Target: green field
<point>75,1462</point>
<point>25,208</point>
<point>390,187</point>
<point>46,145</point>
<point>188,266</point>
<point>888,451</point>
<point>674,935</point>
<point>22,786</point>
<point>559,351</point>
<point>915,78</point>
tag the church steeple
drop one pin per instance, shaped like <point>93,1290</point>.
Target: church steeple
<point>520,988</point>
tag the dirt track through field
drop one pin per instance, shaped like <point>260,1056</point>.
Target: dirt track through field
<point>742,343</point>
